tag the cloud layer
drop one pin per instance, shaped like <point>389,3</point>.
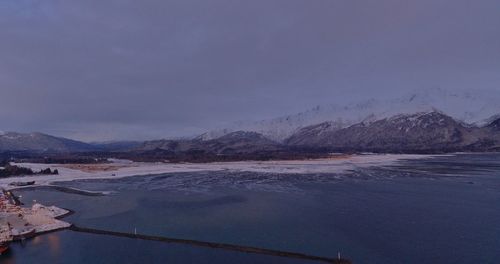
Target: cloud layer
<point>101,70</point>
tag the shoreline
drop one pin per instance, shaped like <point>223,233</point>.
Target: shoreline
<point>313,166</point>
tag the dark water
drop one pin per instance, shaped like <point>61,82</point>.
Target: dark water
<point>440,210</point>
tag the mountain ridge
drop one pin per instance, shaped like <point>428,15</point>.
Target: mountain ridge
<point>425,131</point>
<point>410,124</point>
<point>422,132</point>
<point>473,109</point>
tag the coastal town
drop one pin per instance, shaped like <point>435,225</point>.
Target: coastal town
<point>18,223</point>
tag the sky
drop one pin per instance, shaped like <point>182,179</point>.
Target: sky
<point>98,70</point>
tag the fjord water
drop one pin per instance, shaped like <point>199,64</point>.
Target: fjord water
<point>438,210</point>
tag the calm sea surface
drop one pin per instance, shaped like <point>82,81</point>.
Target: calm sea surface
<point>439,210</point>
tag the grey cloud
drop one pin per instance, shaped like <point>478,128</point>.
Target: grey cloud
<point>141,69</point>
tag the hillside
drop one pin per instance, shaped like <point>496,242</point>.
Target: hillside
<point>12,141</point>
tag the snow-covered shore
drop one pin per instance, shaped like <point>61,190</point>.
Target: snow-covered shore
<point>125,169</point>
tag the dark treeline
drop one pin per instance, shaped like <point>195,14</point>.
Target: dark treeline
<point>54,158</point>
<point>8,170</point>
<point>200,156</point>
<point>160,155</point>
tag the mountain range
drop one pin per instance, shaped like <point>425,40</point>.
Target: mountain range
<point>423,132</point>
<point>429,121</point>
<point>473,108</point>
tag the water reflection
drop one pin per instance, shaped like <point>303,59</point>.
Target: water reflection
<point>54,244</point>
<point>37,240</point>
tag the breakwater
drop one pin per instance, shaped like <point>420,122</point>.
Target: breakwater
<point>60,189</point>
<point>231,247</point>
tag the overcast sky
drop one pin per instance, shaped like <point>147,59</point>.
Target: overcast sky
<point>129,69</point>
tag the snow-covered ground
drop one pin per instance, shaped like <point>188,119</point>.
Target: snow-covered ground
<point>43,218</point>
<point>330,165</point>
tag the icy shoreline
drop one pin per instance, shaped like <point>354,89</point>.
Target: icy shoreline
<point>122,169</point>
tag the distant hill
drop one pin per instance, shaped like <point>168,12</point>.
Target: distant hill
<point>12,141</point>
<point>238,142</point>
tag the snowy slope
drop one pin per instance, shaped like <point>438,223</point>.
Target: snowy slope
<point>475,108</point>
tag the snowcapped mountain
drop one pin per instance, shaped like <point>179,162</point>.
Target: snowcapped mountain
<point>473,108</point>
<point>421,132</point>
<point>427,131</point>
